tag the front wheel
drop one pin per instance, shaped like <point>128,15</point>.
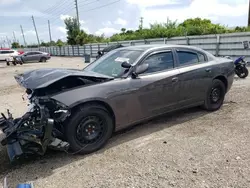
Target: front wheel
<point>242,73</point>
<point>89,129</point>
<point>215,96</point>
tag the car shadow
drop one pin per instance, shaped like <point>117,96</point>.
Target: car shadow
<point>45,165</point>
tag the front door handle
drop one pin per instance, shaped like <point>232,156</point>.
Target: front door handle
<point>175,79</point>
<point>208,70</point>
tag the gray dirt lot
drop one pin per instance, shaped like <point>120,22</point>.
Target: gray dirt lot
<point>190,148</point>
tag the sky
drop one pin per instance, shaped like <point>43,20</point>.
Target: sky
<point>109,16</point>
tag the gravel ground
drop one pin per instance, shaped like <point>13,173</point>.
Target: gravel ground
<point>190,148</point>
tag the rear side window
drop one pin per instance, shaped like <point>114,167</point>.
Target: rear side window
<point>186,58</point>
<point>201,57</point>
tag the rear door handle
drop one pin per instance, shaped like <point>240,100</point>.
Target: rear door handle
<point>175,79</point>
<point>208,70</point>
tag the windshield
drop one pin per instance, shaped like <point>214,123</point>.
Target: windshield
<point>110,64</point>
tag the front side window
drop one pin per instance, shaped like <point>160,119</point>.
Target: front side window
<point>110,63</point>
<point>159,62</point>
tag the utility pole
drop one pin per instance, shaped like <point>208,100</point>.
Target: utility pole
<point>248,15</point>
<point>25,44</point>
<point>49,32</point>
<point>141,23</point>
<point>36,31</point>
<point>14,36</point>
<point>77,14</point>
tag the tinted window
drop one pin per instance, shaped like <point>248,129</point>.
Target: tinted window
<point>36,53</point>
<point>201,57</point>
<point>159,62</point>
<point>186,58</point>
<point>110,63</point>
<point>6,52</point>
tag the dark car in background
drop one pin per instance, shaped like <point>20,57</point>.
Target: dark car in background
<point>34,56</point>
<point>80,109</point>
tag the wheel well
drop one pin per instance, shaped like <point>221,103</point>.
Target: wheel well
<point>98,103</point>
<point>223,79</point>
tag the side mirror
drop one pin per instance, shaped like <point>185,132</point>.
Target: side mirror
<point>126,65</point>
<point>139,70</point>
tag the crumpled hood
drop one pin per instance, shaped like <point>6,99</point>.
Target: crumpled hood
<point>41,78</point>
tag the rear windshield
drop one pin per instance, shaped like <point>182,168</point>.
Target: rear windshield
<point>6,51</point>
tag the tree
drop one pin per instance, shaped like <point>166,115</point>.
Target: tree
<point>123,30</point>
<point>15,45</point>
<point>82,38</point>
<point>72,30</point>
<point>59,43</point>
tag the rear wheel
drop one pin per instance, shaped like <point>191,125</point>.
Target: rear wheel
<point>215,95</point>
<point>89,129</point>
<point>242,73</point>
<point>8,63</point>
<point>43,59</point>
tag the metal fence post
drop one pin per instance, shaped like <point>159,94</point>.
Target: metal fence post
<point>98,47</point>
<point>78,50</point>
<point>90,46</point>
<point>217,46</point>
<point>73,50</point>
<point>187,38</point>
<point>68,51</point>
<point>64,51</point>
<point>84,49</point>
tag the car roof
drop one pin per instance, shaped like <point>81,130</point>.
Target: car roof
<point>34,51</point>
<point>159,46</point>
<point>152,47</point>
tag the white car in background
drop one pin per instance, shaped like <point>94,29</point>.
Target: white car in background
<point>7,54</point>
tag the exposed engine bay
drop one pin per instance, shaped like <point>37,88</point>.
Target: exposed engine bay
<point>41,127</point>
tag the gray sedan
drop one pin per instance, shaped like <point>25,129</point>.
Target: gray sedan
<point>34,56</point>
<point>80,109</point>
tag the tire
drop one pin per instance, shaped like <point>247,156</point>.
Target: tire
<point>81,128</point>
<point>43,59</point>
<point>243,73</point>
<point>8,63</point>
<point>213,104</point>
<point>14,63</point>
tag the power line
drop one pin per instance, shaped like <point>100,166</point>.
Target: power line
<point>102,6</point>
<point>84,2</point>
<point>56,6</point>
<point>87,3</point>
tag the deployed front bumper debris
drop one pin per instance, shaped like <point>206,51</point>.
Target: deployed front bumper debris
<point>29,135</point>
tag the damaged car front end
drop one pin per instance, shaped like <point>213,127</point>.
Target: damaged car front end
<point>41,127</point>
